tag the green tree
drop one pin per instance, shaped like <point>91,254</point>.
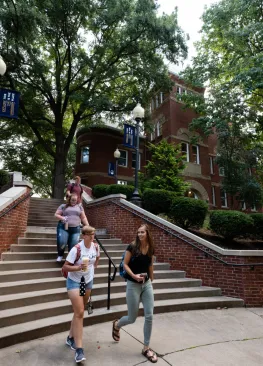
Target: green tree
<point>164,171</point>
<point>229,64</point>
<point>75,60</point>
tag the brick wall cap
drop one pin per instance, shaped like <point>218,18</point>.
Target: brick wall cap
<point>10,196</point>
<point>109,197</point>
<point>206,243</point>
<point>23,183</point>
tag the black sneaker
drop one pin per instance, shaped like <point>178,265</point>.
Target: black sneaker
<point>79,355</point>
<point>70,342</point>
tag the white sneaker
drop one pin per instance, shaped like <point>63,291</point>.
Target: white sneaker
<point>59,259</point>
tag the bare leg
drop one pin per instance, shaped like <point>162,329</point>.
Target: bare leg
<point>76,328</point>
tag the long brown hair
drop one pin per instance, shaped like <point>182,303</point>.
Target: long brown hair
<point>137,243</point>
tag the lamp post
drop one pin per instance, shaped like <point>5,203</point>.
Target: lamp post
<point>117,155</point>
<point>138,115</point>
<point>2,66</point>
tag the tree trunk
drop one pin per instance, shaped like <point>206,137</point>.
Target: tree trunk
<point>58,189</point>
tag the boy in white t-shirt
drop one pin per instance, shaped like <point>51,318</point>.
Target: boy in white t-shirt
<point>77,269</point>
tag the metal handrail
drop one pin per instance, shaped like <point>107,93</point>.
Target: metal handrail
<point>207,254</point>
<point>16,204</point>
<point>110,278</point>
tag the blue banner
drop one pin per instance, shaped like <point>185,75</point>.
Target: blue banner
<point>9,103</point>
<point>111,169</point>
<point>129,136</point>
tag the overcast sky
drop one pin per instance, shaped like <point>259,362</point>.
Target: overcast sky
<point>189,13</point>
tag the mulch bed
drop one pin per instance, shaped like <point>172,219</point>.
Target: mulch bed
<point>236,244</point>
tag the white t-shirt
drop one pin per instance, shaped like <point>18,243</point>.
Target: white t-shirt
<point>92,253</point>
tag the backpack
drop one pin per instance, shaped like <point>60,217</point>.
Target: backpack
<point>63,271</point>
<point>122,271</point>
<point>72,186</point>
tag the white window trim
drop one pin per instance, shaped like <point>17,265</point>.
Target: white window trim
<point>244,206</point>
<point>211,163</point>
<point>135,160</point>
<point>225,198</point>
<point>126,159</point>
<point>213,196</point>
<point>158,129</point>
<point>250,171</point>
<point>161,97</point>
<point>198,155</point>
<point>187,151</point>
<point>81,155</point>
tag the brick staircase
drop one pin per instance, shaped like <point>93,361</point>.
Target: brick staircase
<point>33,297</point>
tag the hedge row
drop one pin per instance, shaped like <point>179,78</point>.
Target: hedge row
<point>188,212</point>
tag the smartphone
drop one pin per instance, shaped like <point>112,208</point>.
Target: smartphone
<point>144,275</point>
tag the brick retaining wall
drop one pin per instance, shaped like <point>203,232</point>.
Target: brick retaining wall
<point>121,221</point>
<point>14,223</point>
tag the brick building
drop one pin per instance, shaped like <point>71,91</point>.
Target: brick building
<point>170,120</point>
<point>95,149</point>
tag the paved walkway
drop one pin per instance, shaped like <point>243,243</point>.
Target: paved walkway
<point>203,337</point>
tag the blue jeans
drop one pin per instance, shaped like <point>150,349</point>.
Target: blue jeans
<point>64,237</point>
<point>136,292</point>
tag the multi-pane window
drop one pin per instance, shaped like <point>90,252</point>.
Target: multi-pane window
<point>213,196</point>
<point>123,159</point>
<point>221,171</point>
<point>185,150</point>
<point>244,206</point>
<point>223,196</point>
<point>122,182</point>
<point>84,155</point>
<point>253,207</point>
<point>134,160</point>
<point>158,129</point>
<point>211,162</point>
<point>195,154</point>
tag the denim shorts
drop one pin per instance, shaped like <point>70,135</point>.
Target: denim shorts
<point>72,285</point>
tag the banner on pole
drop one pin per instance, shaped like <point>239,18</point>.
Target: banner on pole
<point>9,103</point>
<point>111,169</point>
<point>129,136</point>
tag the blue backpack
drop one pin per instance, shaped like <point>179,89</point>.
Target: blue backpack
<point>122,271</point>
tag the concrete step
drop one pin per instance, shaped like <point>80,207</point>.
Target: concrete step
<point>49,263</point>
<point>48,309</point>
<point>49,241</point>
<point>23,332</point>
<point>58,282</point>
<point>37,297</point>
<point>10,256</point>
<point>51,225</point>
<point>30,274</point>
<point>19,248</point>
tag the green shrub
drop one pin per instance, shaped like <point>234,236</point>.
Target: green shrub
<point>230,224</point>
<point>4,178</point>
<point>121,188</point>
<point>188,212</point>
<point>100,190</point>
<point>157,200</point>
<point>257,230</point>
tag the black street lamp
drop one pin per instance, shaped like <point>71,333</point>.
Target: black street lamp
<point>138,114</point>
<point>117,155</point>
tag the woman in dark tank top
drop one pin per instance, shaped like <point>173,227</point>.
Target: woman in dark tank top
<point>138,264</point>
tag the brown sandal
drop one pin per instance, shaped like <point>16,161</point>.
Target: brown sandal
<point>115,332</point>
<point>151,357</point>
